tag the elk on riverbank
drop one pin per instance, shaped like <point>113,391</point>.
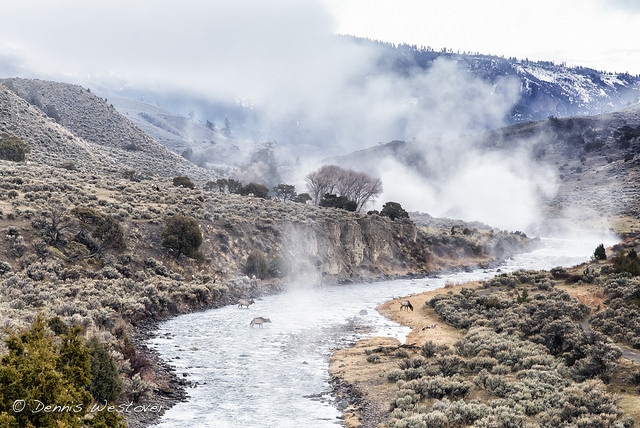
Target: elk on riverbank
<point>405,304</point>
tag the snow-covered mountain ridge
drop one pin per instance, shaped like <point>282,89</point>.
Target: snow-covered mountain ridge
<point>546,89</point>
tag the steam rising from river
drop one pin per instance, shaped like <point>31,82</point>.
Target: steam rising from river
<point>314,94</point>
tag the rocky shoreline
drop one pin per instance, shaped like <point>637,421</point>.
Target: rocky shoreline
<point>173,388</point>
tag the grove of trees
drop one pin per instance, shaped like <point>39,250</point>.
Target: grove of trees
<point>353,185</point>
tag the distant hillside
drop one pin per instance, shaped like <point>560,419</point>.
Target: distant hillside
<point>595,157</point>
<point>202,143</point>
<point>66,125</point>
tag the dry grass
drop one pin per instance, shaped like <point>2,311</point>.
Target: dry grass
<point>368,380</point>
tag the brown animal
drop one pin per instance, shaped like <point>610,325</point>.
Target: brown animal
<point>405,304</point>
<point>244,302</point>
<point>259,321</point>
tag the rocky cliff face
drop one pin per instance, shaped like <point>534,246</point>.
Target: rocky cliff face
<point>302,240</point>
<point>336,245</point>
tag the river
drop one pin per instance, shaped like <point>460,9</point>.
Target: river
<point>277,375</point>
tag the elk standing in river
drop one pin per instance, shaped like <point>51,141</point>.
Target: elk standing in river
<point>244,302</point>
<point>259,321</point>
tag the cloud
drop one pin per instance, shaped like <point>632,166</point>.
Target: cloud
<point>191,44</point>
<point>631,6</point>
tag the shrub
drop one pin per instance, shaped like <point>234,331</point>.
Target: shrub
<point>373,358</point>
<point>5,267</point>
<point>182,235</point>
<point>278,268</point>
<point>256,265</point>
<point>105,230</point>
<point>69,165</point>
<point>13,148</point>
<point>428,349</point>
<point>334,201</point>
<point>183,181</point>
<point>627,262</point>
<point>255,189</point>
<point>394,210</point>
<point>439,387</point>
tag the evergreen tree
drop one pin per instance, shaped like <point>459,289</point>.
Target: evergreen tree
<point>13,148</point>
<point>600,253</point>
<point>75,361</point>
<point>36,372</point>
<point>105,382</point>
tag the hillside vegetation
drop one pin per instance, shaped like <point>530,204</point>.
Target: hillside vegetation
<point>67,126</point>
<point>104,232</point>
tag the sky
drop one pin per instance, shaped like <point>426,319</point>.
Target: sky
<point>281,58</point>
<point>91,36</point>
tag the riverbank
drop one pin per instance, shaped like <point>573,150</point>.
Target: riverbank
<point>364,393</point>
<point>171,387</point>
<point>361,374</point>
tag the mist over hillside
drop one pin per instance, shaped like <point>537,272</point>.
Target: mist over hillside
<point>516,177</point>
<point>384,92</point>
<point>579,171</point>
<point>437,102</point>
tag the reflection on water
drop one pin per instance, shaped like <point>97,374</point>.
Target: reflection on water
<point>277,375</point>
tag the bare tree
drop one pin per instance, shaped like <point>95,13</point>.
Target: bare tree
<point>322,182</point>
<point>364,189</point>
<point>51,224</point>
<point>353,185</point>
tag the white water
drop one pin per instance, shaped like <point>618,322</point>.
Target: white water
<point>277,376</point>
